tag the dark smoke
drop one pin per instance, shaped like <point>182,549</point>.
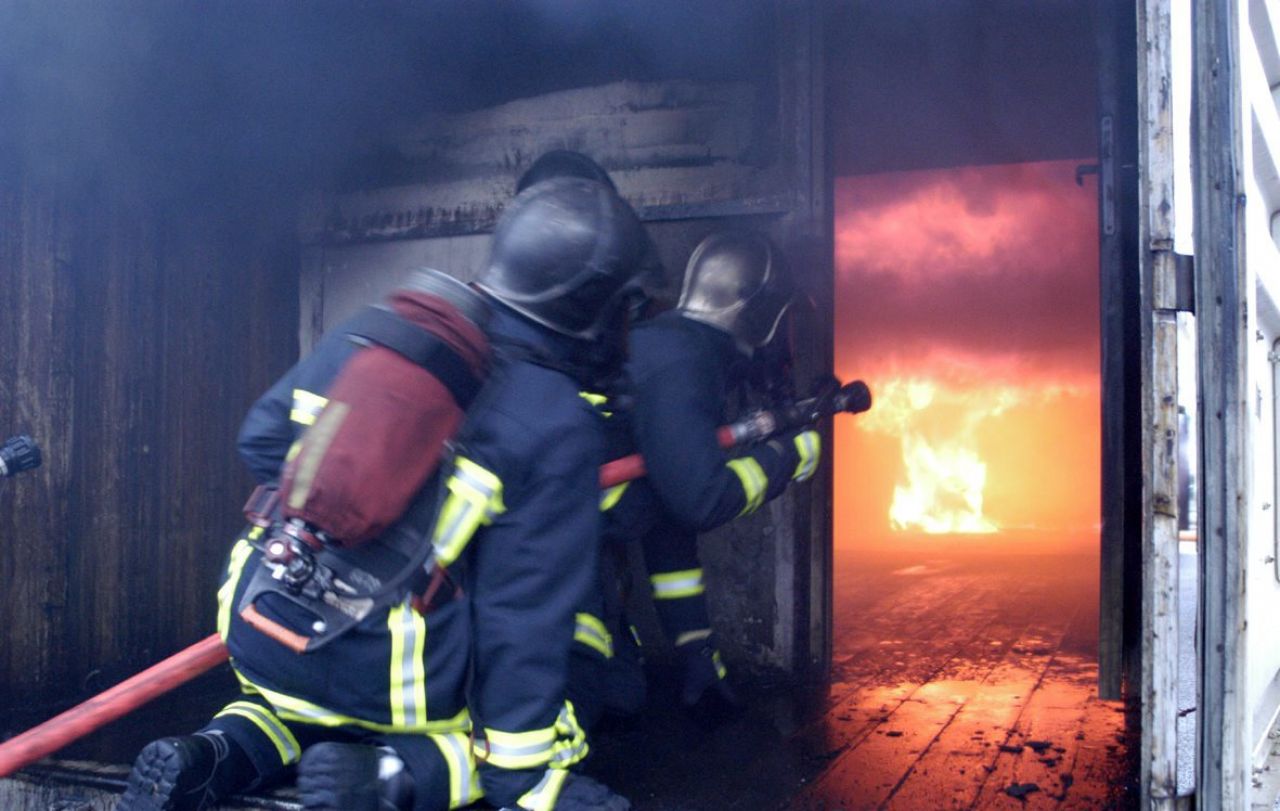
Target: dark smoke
<point>979,260</point>
<point>251,100</point>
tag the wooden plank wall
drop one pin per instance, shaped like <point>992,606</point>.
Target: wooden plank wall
<point>1224,331</point>
<point>133,338</point>
<point>691,157</point>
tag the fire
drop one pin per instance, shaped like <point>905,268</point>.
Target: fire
<point>945,475</point>
<point>943,492</point>
<point>967,298</point>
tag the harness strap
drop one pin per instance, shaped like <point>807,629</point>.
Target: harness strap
<point>385,328</point>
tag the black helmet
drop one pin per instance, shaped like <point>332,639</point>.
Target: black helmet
<point>563,163</point>
<point>566,254</point>
<point>567,163</point>
<point>738,282</point>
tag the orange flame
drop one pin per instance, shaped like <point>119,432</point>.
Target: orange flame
<point>945,475</point>
<point>981,347</point>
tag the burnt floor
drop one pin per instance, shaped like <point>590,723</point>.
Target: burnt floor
<point>959,681</point>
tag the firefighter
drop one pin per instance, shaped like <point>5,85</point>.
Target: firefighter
<point>432,712</point>
<point>605,666</point>
<point>682,366</point>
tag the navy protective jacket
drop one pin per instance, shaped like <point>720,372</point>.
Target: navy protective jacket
<point>518,526</point>
<point>680,375</point>
<point>280,415</point>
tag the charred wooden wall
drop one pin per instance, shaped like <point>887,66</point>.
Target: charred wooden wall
<point>132,340</point>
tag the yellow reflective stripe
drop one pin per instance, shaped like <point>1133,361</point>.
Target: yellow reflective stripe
<point>286,745</point>
<point>754,482</point>
<point>809,447</point>
<point>408,673</point>
<point>596,401</point>
<point>227,591</point>
<point>693,636</point>
<point>475,496</point>
<point>561,745</point>
<point>458,521</point>
<point>676,585</point>
<point>516,750</point>
<point>571,746</point>
<point>715,660</point>
<point>306,406</point>
<point>294,450</point>
<point>591,632</point>
<point>289,708</point>
<point>610,498</point>
<point>485,485</point>
<point>543,796</point>
<point>464,782</point>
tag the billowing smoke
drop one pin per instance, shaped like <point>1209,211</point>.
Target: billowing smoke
<point>241,101</point>
<point>982,262</point>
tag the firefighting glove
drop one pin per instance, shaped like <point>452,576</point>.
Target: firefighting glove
<point>804,447</point>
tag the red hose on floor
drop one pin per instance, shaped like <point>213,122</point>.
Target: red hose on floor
<point>185,665</point>
<point>164,676</point>
<point>109,705</point>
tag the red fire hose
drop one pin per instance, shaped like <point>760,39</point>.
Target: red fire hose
<point>109,705</point>
<point>178,669</point>
<point>208,653</point>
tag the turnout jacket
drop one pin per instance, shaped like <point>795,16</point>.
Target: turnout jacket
<point>680,375</point>
<point>518,526</point>
<point>374,677</point>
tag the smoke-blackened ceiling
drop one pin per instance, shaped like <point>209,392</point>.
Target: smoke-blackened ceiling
<point>188,99</point>
<point>917,84</point>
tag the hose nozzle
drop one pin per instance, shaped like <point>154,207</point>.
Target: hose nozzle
<point>17,454</point>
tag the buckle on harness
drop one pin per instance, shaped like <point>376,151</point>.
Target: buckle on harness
<point>434,594</point>
<point>263,506</point>
<point>300,530</point>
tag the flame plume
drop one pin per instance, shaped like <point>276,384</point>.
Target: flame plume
<point>967,298</point>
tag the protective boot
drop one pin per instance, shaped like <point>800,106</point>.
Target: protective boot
<point>625,687</point>
<point>353,777</point>
<point>705,692</point>
<point>581,793</point>
<point>188,773</point>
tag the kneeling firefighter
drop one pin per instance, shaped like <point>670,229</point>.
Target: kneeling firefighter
<point>433,709</point>
<point>681,367</point>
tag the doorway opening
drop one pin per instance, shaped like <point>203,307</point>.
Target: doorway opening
<point>967,506</point>
<point>969,260</point>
